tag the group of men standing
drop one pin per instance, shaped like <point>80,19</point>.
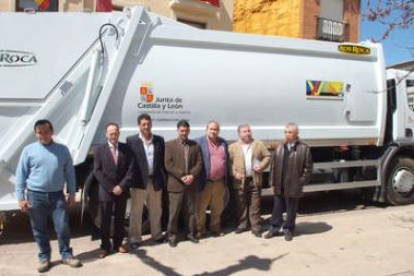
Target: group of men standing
<point>195,173</point>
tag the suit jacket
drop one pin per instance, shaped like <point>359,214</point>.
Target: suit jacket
<point>259,151</point>
<point>109,175</point>
<point>299,169</point>
<point>203,142</point>
<point>140,176</point>
<point>175,164</point>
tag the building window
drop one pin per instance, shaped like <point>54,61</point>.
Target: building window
<point>332,9</point>
<point>25,5</point>
<point>332,30</point>
<point>330,21</point>
<point>118,8</point>
<point>199,25</point>
<point>212,2</point>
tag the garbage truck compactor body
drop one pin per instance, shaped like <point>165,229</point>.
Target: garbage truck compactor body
<point>82,70</point>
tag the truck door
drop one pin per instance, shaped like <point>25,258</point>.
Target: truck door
<point>409,125</point>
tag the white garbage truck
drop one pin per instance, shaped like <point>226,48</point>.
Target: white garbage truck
<point>82,70</point>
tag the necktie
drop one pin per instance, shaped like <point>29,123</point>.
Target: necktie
<point>186,153</point>
<point>114,156</point>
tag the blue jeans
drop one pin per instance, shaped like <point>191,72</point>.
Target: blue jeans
<point>43,206</point>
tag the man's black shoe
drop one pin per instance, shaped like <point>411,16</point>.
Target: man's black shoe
<point>288,236</point>
<point>257,234</point>
<point>192,238</point>
<point>172,243</point>
<point>270,235</point>
<point>159,240</point>
<point>217,234</point>
<point>134,245</point>
<point>239,231</point>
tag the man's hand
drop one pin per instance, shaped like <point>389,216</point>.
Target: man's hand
<point>257,169</point>
<point>117,190</point>
<point>71,200</point>
<point>187,179</point>
<point>239,176</point>
<point>24,205</point>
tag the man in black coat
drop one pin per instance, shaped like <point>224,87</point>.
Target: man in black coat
<point>291,168</point>
<point>148,181</point>
<point>113,168</point>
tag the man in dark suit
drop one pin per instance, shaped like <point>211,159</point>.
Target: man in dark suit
<point>183,162</point>
<point>113,168</point>
<point>148,181</point>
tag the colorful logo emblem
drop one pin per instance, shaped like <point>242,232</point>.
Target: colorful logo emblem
<point>146,94</point>
<point>324,88</point>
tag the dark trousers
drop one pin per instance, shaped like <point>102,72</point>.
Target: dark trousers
<point>185,201</point>
<point>281,203</point>
<point>118,209</point>
<point>248,207</point>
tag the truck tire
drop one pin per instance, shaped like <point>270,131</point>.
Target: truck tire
<point>400,181</point>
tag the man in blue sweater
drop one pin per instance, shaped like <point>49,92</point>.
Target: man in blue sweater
<point>43,170</point>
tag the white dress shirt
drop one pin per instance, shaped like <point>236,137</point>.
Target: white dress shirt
<point>247,151</point>
<point>149,153</point>
<point>113,148</point>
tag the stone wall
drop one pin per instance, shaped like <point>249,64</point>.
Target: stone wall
<point>268,17</point>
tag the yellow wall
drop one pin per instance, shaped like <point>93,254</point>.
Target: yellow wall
<point>268,17</point>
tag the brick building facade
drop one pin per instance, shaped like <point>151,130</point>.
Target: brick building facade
<point>334,20</point>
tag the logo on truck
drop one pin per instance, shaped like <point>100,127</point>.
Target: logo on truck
<point>354,49</point>
<point>324,88</point>
<point>9,58</point>
<point>146,94</point>
<point>157,104</point>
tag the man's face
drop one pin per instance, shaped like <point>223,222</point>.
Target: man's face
<point>44,133</point>
<point>290,134</point>
<point>112,134</point>
<point>213,131</point>
<point>145,127</point>
<point>183,132</point>
<point>245,134</point>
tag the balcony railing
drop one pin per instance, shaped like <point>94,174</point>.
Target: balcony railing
<point>332,30</point>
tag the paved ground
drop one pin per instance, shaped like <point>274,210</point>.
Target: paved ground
<point>337,239</point>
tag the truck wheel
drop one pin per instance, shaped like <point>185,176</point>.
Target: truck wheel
<point>228,216</point>
<point>90,202</point>
<point>400,184</point>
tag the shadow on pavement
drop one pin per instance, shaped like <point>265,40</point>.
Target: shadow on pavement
<point>18,230</point>
<point>310,228</point>
<point>90,256</point>
<point>249,262</point>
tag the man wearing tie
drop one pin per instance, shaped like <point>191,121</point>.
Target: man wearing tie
<point>183,162</point>
<point>248,158</point>
<point>148,181</point>
<point>113,168</point>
